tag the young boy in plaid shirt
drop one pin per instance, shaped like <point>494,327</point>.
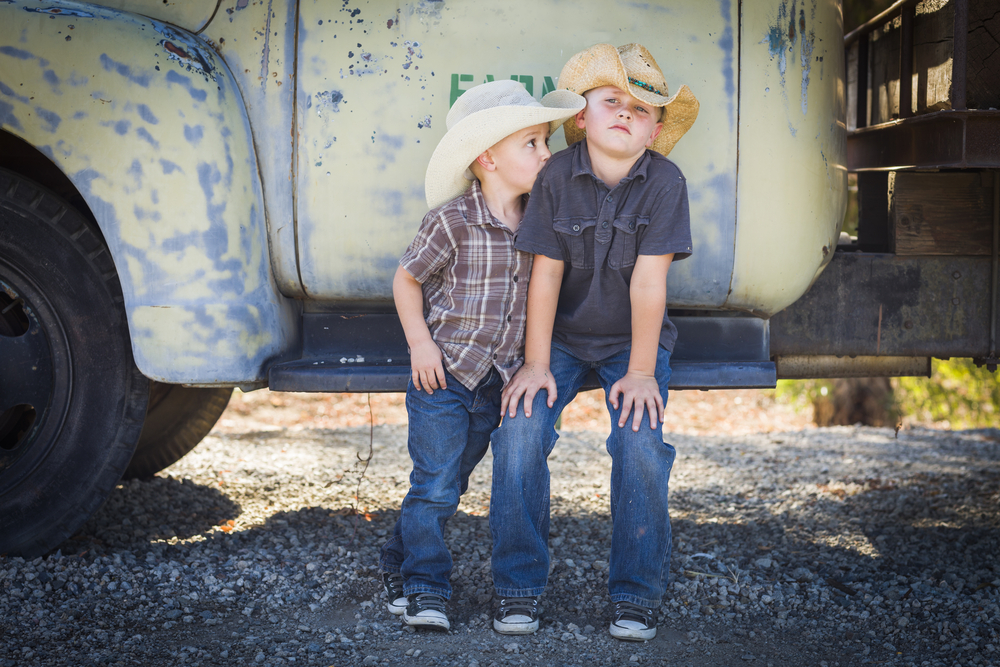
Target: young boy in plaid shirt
<point>460,291</point>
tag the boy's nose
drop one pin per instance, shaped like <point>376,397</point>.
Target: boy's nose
<point>625,113</point>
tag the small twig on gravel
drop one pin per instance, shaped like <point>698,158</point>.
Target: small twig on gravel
<point>367,460</point>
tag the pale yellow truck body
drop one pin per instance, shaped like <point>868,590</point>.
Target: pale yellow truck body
<point>276,158</point>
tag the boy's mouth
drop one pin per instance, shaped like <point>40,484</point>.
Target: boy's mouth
<point>623,128</point>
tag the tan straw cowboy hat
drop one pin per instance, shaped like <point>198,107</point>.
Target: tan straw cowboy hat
<point>632,69</point>
<point>481,117</point>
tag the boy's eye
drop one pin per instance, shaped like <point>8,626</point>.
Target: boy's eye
<point>531,143</point>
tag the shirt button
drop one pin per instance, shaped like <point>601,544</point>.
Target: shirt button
<point>610,198</point>
<point>604,225</point>
<point>494,356</point>
<point>508,318</point>
<point>576,228</point>
<point>515,279</point>
<point>631,225</point>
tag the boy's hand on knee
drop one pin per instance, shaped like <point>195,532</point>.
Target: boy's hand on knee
<point>528,381</point>
<point>640,392</point>
<point>426,368</point>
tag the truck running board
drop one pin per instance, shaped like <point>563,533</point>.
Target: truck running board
<point>353,352</point>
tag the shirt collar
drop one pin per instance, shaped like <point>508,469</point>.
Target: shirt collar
<point>581,163</point>
<point>477,212</point>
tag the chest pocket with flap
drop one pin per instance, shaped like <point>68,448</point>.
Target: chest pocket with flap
<point>576,235</point>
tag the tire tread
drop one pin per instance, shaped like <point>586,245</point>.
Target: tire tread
<point>67,222</point>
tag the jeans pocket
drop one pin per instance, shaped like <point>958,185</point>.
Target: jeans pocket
<point>625,244</point>
<point>577,238</point>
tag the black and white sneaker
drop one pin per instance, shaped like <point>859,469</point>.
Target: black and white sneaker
<point>516,616</point>
<point>426,610</point>
<point>633,623</point>
<point>392,582</point>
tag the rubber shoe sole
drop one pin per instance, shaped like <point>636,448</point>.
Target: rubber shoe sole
<point>633,632</point>
<point>512,625</point>
<point>427,619</point>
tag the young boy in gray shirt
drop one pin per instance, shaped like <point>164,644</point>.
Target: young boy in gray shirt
<point>606,219</point>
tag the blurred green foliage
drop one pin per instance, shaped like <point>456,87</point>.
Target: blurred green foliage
<point>958,395</point>
<point>958,392</point>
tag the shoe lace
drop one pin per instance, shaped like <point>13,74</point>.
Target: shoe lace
<point>626,611</point>
<point>519,607</point>
<point>394,583</point>
<point>429,601</point>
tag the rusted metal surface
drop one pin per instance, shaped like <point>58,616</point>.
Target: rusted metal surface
<point>940,140</point>
<point>883,305</point>
<point>800,367</point>
<point>147,122</point>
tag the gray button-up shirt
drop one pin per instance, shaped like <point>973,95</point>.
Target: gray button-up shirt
<point>599,232</point>
<point>475,287</point>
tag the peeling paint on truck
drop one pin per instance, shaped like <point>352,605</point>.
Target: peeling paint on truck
<point>116,109</point>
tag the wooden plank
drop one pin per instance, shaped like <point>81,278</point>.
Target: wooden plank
<point>940,213</point>
<point>933,33</point>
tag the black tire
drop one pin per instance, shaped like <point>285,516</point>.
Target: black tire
<point>71,398</point>
<point>177,419</point>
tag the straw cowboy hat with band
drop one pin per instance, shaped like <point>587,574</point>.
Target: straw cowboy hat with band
<point>481,117</point>
<point>632,69</point>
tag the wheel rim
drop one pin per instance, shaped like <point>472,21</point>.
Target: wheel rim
<point>31,374</point>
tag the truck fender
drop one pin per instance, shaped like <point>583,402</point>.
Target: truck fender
<point>148,124</point>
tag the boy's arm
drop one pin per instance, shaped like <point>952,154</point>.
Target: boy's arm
<point>639,388</point>
<point>425,356</point>
<point>534,375</point>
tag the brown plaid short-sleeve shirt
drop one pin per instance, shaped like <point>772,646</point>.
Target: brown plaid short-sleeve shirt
<point>475,287</point>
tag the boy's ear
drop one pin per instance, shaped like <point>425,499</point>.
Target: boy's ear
<point>655,133</point>
<point>580,118</point>
<point>485,161</point>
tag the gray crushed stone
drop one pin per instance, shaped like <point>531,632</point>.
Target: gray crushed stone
<point>830,547</point>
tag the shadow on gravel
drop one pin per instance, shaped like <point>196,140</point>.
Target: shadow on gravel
<point>142,511</point>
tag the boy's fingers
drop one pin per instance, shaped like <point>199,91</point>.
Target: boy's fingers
<point>640,412</point>
<point>626,411</point>
<point>529,398</point>
<point>512,399</point>
<point>440,377</point>
<point>430,382</point>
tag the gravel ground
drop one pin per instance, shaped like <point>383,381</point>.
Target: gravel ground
<point>837,546</point>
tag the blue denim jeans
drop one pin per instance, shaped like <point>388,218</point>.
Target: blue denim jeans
<point>640,472</point>
<point>448,434</point>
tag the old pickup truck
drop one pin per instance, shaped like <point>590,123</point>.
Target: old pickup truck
<point>197,195</point>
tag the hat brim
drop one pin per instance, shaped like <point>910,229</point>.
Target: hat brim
<point>471,136</point>
<point>602,65</point>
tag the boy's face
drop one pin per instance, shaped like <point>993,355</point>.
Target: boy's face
<point>520,156</point>
<point>618,124</point>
